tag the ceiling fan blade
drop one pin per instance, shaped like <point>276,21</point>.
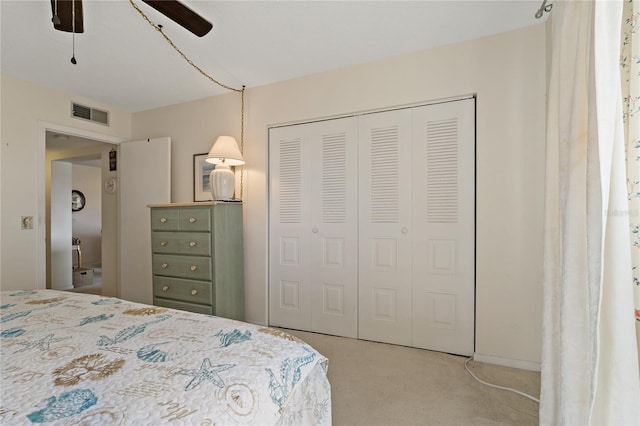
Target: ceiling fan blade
<point>182,15</point>
<point>64,10</point>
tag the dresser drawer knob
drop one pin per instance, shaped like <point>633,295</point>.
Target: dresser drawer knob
<point>165,288</point>
<point>193,267</point>
<point>192,244</point>
<point>192,219</point>
<point>163,219</point>
<point>164,265</point>
<point>194,292</point>
<point>163,243</point>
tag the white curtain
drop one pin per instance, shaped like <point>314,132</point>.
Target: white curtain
<point>590,355</point>
<point>630,69</point>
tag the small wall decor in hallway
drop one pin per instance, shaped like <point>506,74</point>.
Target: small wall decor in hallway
<point>78,200</point>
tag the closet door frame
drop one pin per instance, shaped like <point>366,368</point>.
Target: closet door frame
<point>413,337</point>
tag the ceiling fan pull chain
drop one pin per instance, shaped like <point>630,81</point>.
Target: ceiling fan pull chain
<point>73,33</point>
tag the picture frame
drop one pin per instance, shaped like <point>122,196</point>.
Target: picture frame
<point>201,170</point>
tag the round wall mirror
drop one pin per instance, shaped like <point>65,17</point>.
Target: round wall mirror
<point>77,200</point>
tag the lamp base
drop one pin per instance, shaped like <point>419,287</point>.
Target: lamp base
<point>222,183</point>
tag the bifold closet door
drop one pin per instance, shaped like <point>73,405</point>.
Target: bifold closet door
<point>313,279</point>
<point>416,219</point>
<point>443,169</point>
<point>385,227</point>
<point>289,228</point>
<point>372,227</point>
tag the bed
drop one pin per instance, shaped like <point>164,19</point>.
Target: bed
<point>70,358</point>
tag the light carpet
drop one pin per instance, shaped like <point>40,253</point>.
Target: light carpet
<point>380,384</point>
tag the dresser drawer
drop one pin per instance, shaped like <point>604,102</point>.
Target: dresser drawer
<point>195,219</point>
<point>185,290</point>
<point>190,267</point>
<point>191,243</point>
<point>165,219</point>
<point>183,306</point>
<point>181,219</point>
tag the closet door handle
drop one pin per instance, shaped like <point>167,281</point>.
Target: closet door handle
<point>314,230</point>
<point>164,265</point>
<point>163,243</point>
<point>404,230</point>
<point>192,244</point>
<point>193,268</point>
<point>165,288</point>
<point>192,219</point>
<point>194,292</point>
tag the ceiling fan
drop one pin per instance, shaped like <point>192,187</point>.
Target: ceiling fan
<point>63,12</point>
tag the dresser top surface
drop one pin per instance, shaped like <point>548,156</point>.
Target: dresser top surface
<point>197,204</point>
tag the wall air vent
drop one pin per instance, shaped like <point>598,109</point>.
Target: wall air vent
<point>88,113</point>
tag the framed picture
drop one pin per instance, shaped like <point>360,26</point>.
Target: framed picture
<point>201,170</point>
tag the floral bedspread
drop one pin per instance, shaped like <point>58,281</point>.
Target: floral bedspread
<point>69,358</point>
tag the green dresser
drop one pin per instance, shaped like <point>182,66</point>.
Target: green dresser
<point>198,258</point>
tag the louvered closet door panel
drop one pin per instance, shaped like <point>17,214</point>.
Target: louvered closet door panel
<point>334,227</point>
<point>385,227</point>
<point>443,242</point>
<point>289,224</point>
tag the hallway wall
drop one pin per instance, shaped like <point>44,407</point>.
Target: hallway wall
<point>87,223</point>
<point>59,275</point>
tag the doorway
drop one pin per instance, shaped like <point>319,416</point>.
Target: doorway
<point>74,225</point>
<point>90,150</point>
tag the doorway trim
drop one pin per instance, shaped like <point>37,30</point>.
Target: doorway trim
<point>42,129</point>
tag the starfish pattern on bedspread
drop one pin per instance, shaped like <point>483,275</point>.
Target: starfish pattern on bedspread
<point>42,344</point>
<point>206,372</point>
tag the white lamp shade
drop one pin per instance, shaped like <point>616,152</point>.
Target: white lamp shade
<point>225,151</point>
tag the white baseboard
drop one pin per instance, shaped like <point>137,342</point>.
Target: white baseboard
<point>507,362</point>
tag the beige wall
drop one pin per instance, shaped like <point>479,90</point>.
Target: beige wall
<point>193,127</point>
<point>507,72</point>
<point>24,108</point>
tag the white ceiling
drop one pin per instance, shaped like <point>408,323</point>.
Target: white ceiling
<point>123,62</point>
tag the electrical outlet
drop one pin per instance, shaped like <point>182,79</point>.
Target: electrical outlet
<point>26,222</point>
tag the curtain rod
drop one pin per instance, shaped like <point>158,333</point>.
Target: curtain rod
<point>543,8</point>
